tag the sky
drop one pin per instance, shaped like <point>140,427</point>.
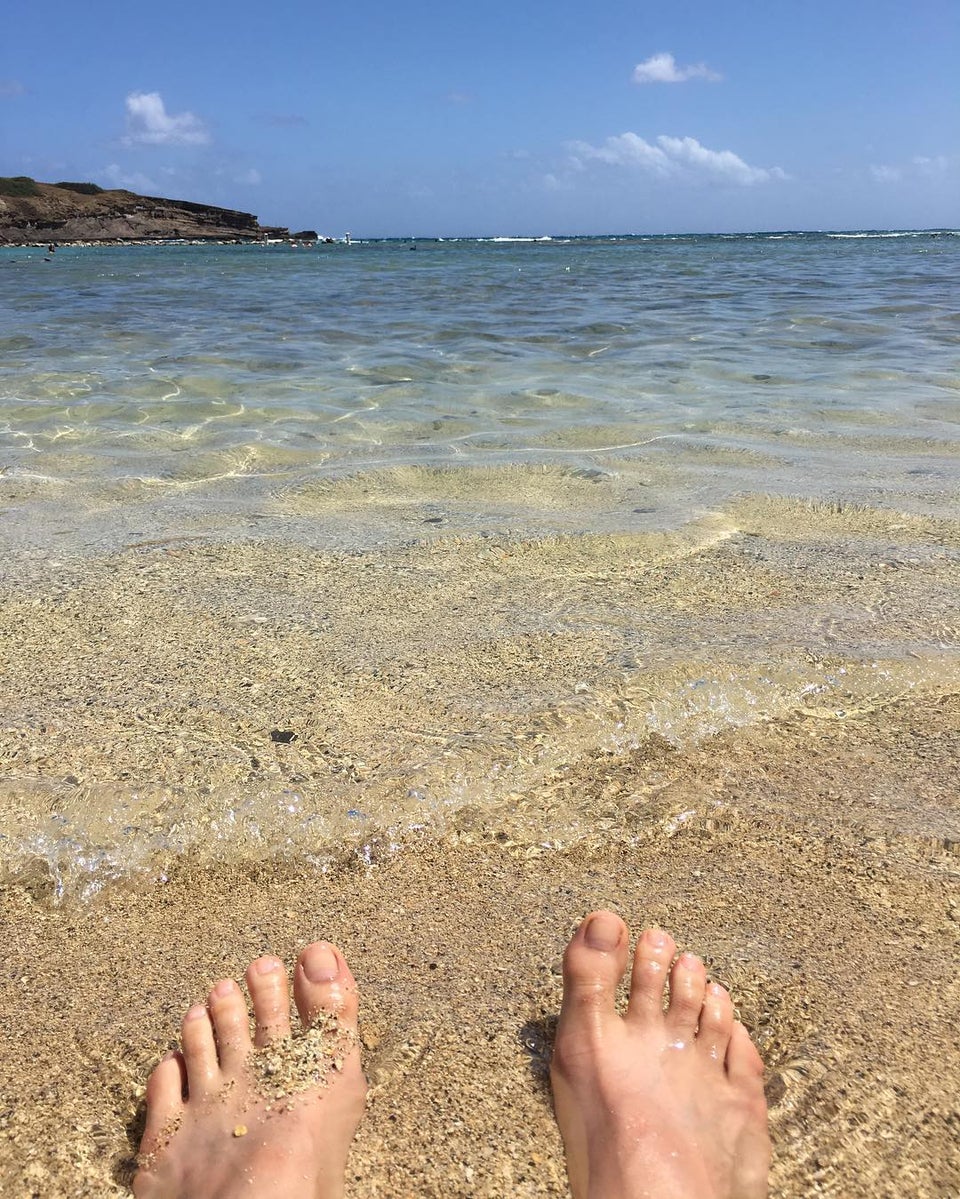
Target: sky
<point>492,118</point>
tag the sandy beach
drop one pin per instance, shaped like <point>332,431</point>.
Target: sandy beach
<point>218,749</point>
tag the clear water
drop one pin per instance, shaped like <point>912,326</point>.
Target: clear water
<point>185,429</point>
<point>770,361</point>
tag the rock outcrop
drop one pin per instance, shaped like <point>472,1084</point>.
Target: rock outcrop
<point>35,213</point>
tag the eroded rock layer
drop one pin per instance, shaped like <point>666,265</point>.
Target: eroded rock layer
<point>58,213</point>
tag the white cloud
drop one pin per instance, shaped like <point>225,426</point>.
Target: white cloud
<point>885,174</point>
<point>672,157</point>
<point>723,163</point>
<point>662,68</point>
<point>149,123</point>
<point>252,177</point>
<point>115,176</point>
<point>11,87</point>
<point>624,150</point>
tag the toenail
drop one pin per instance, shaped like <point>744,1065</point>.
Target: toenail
<point>226,986</point>
<point>266,965</point>
<point>196,1012</point>
<point>717,990</point>
<point>689,961</point>
<point>320,963</point>
<point>603,932</point>
<point>656,938</point>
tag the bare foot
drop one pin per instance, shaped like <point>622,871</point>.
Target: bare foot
<point>654,1103</point>
<point>267,1116</point>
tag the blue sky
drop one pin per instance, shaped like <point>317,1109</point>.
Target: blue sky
<point>523,118</point>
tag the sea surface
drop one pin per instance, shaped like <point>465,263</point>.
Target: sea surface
<point>803,359</point>
<point>612,400</point>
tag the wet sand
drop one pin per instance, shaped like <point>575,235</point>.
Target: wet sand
<point>742,730</point>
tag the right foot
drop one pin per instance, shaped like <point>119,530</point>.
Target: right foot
<point>666,1104</point>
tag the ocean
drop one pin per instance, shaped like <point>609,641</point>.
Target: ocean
<point>777,362</point>
<point>303,548</point>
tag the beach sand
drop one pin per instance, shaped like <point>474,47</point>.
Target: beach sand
<point>441,755</point>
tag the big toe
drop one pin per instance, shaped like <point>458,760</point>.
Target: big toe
<point>322,983</point>
<point>593,965</point>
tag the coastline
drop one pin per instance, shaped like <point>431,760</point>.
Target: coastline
<point>806,849</point>
<point>145,243</point>
<point>66,213</point>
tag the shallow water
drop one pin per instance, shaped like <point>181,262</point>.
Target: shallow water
<point>302,548</point>
<point>170,371</point>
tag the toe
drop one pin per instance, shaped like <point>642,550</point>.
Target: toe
<point>231,1024</point>
<point>651,964</point>
<point>199,1052</point>
<point>688,981</point>
<point>744,1063</point>
<point>593,964</point>
<point>267,983</point>
<point>164,1102</point>
<point>322,982</point>
<point>716,1024</point>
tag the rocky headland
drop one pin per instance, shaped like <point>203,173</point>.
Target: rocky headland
<point>33,213</point>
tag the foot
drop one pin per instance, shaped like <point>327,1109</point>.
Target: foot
<point>660,1103</point>
<point>271,1115</point>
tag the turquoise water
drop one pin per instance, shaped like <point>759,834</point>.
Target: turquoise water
<point>200,378</point>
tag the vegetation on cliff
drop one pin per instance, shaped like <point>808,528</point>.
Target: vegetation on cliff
<point>18,185</point>
<point>34,213</point>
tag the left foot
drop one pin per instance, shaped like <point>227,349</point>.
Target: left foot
<point>270,1116</point>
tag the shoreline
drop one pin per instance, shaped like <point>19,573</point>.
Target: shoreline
<point>93,243</point>
<point>243,697</point>
<point>502,239</point>
<point>807,853</point>
<point>835,934</point>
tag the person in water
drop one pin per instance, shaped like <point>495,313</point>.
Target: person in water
<point>663,1101</point>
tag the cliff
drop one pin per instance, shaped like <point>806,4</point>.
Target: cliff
<point>32,212</point>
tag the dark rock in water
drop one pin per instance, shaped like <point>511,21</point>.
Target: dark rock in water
<point>73,212</point>
<point>305,235</point>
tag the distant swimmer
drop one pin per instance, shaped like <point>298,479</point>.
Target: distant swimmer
<point>51,249</point>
